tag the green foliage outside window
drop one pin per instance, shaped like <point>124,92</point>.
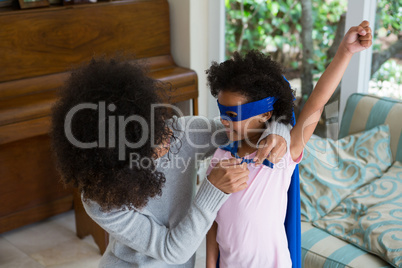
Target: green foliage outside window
<point>389,71</point>
<point>274,27</point>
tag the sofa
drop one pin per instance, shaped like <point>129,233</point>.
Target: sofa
<point>351,189</point>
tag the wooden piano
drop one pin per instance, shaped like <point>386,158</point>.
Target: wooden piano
<point>38,47</point>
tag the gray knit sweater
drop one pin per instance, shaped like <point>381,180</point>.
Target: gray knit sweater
<point>168,231</point>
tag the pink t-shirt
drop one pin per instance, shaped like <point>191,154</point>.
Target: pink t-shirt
<point>251,230</point>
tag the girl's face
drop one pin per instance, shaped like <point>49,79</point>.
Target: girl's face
<point>248,129</point>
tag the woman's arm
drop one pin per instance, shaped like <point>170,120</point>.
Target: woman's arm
<point>141,231</point>
<point>356,39</point>
<point>212,246</point>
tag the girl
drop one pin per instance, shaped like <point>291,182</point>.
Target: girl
<point>249,229</point>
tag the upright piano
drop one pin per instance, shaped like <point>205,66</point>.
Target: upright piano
<point>38,47</point>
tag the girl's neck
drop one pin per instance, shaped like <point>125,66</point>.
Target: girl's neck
<point>246,147</point>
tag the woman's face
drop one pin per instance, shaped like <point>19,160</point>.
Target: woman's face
<point>164,148</point>
<point>248,129</point>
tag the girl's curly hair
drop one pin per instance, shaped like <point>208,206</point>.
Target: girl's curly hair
<point>256,77</point>
<point>125,90</point>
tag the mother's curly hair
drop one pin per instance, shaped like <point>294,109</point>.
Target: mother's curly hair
<point>126,90</point>
<point>256,77</point>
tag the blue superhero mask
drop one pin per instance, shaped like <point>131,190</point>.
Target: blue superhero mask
<point>247,110</point>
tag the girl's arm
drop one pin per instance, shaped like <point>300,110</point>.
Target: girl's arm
<point>212,246</point>
<point>356,39</point>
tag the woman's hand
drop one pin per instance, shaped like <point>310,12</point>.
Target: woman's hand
<point>273,148</point>
<point>229,176</point>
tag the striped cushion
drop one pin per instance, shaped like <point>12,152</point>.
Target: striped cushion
<point>363,112</point>
<point>320,249</point>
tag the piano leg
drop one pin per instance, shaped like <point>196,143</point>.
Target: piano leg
<point>195,106</point>
<point>86,226</point>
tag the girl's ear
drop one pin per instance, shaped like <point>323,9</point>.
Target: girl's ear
<point>266,117</point>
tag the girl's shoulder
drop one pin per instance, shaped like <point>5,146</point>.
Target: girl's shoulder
<point>287,161</point>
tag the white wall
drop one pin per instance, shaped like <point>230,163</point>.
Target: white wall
<point>180,31</point>
<point>199,48</point>
<point>197,38</point>
<point>180,39</point>
<point>216,44</point>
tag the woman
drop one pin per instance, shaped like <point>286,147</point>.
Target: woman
<point>136,168</point>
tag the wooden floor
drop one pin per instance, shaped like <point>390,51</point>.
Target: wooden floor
<point>53,243</point>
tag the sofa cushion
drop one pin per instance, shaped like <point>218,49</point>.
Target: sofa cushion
<point>363,112</point>
<point>331,170</point>
<point>320,249</point>
<point>371,217</point>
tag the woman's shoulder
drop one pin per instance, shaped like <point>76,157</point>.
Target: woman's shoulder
<point>94,209</point>
<point>107,217</point>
